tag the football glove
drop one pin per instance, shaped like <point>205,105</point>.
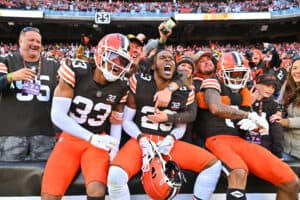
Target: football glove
<point>147,151</point>
<point>247,125</point>
<point>105,142</point>
<point>260,121</point>
<point>165,146</point>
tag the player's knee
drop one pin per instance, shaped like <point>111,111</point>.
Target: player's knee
<point>95,189</point>
<point>238,174</point>
<point>291,186</point>
<point>116,177</point>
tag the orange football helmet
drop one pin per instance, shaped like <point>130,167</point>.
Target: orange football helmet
<point>233,70</point>
<point>163,180</point>
<point>113,49</point>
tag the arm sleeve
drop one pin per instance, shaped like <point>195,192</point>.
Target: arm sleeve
<point>186,116</point>
<point>128,124</point>
<point>60,117</point>
<point>178,131</point>
<point>116,130</point>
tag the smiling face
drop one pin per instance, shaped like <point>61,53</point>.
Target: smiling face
<point>187,68</point>
<point>136,50</point>
<point>295,72</point>
<point>30,45</point>
<point>164,65</point>
<point>265,90</point>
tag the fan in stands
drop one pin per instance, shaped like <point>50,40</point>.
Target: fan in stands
<point>164,179</point>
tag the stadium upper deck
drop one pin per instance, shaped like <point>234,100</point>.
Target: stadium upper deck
<point>243,21</point>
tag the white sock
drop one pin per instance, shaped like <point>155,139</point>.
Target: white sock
<point>206,181</point>
<point>117,184</point>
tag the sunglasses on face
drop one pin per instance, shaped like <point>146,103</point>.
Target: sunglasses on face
<point>30,28</point>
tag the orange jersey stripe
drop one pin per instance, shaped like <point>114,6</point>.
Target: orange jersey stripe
<point>191,98</point>
<point>211,83</point>
<point>124,98</point>
<point>67,74</point>
<point>132,84</point>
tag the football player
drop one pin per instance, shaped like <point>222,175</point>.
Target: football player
<point>223,101</point>
<point>82,103</point>
<point>135,154</point>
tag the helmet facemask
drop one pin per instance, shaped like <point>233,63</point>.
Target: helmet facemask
<point>235,78</point>
<point>114,63</point>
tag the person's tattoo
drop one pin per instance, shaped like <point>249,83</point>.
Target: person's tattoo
<point>214,101</point>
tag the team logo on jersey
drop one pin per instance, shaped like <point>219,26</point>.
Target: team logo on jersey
<point>175,105</point>
<point>111,98</point>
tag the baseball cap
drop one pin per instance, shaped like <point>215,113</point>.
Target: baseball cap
<point>139,38</point>
<point>200,54</point>
<point>268,78</point>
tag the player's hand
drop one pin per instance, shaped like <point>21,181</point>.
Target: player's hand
<point>260,121</point>
<point>247,125</point>
<point>162,98</point>
<point>165,146</point>
<point>147,151</point>
<point>24,74</point>
<point>158,116</point>
<point>105,142</point>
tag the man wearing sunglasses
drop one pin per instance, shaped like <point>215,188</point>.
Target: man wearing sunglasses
<point>27,82</point>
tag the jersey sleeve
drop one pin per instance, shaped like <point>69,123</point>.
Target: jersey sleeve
<point>72,69</point>
<point>211,83</point>
<point>190,98</point>
<point>67,73</point>
<point>133,83</point>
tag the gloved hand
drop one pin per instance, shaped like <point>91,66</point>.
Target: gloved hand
<point>105,142</point>
<point>247,125</point>
<point>166,145</point>
<point>260,121</point>
<point>147,151</point>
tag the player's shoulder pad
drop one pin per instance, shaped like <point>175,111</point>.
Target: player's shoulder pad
<point>70,69</point>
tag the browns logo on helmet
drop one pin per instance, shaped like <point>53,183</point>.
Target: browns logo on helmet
<point>233,70</point>
<point>163,180</point>
<point>112,56</point>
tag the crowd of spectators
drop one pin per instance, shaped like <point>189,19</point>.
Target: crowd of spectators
<point>64,50</point>
<point>153,7</point>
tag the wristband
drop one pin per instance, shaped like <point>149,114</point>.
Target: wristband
<point>10,77</point>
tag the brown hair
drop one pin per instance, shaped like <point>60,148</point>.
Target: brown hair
<point>292,90</point>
